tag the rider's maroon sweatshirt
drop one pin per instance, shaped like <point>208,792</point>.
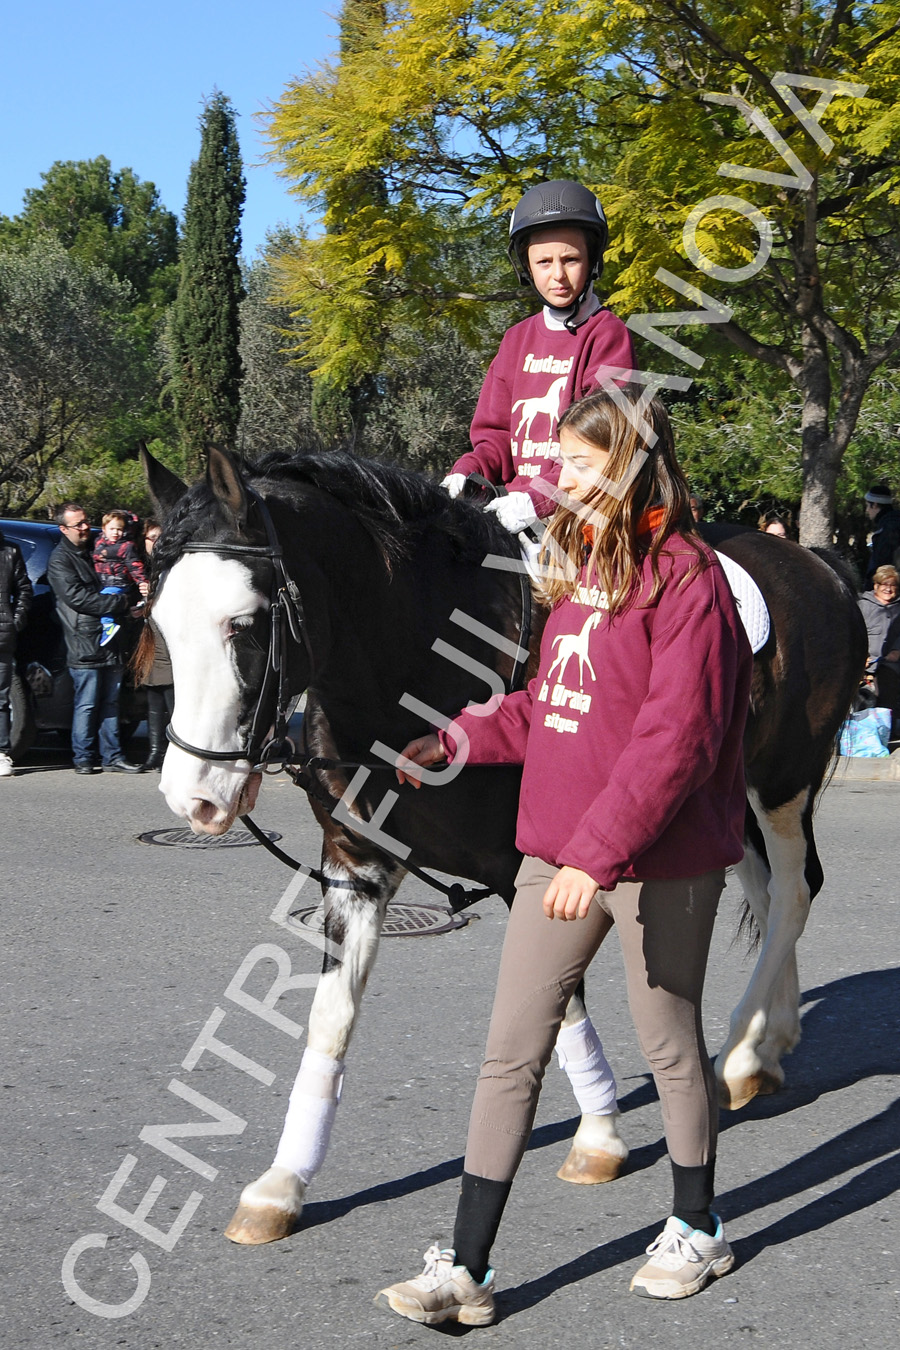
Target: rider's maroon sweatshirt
<point>538,371</point>
<point>631,734</point>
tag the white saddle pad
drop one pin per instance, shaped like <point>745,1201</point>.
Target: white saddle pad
<point>751,606</point>
<point>748,597</point>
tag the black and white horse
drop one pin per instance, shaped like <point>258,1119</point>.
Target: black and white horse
<point>407,606</point>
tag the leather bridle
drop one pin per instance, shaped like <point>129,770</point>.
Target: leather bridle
<point>286,618</point>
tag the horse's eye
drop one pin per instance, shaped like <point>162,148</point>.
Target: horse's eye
<point>241,624</point>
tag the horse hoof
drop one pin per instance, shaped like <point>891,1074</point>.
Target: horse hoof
<point>590,1169</point>
<point>252,1227</point>
<point>269,1209</point>
<point>598,1151</point>
<point>735,1095</point>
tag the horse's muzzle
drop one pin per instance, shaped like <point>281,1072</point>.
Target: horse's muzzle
<point>207,817</point>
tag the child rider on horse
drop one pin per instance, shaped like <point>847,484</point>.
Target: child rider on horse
<point>631,808</point>
<point>557,236</point>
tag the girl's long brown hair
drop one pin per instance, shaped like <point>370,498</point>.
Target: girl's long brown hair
<point>646,474</point>
<point>143,655</point>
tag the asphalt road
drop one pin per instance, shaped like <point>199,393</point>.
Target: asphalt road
<point>118,955</point>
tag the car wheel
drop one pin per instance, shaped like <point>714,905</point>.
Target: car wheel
<point>22,728</point>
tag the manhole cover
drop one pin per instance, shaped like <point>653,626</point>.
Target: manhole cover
<point>181,838</point>
<point>401,920</point>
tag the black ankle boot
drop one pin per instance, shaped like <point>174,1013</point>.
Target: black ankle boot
<point>157,720</point>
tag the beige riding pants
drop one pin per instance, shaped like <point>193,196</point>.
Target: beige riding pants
<point>664,929</point>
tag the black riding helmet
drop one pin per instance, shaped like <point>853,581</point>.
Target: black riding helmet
<point>561,202</point>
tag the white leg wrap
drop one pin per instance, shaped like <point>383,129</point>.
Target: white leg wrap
<point>307,1126</point>
<point>581,1056</point>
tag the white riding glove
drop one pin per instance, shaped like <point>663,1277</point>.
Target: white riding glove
<point>515,511</point>
<point>454,483</point>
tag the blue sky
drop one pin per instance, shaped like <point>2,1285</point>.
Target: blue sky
<point>127,81</point>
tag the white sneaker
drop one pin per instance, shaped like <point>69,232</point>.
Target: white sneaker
<point>6,765</point>
<point>442,1292</point>
<point>683,1260</point>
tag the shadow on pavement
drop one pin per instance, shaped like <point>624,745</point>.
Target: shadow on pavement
<point>851,1031</point>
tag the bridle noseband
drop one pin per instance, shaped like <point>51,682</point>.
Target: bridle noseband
<point>286,618</point>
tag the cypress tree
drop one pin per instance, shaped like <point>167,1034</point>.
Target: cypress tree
<point>204,328</point>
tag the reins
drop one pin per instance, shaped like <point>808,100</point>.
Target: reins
<point>287,618</point>
<point>459,896</point>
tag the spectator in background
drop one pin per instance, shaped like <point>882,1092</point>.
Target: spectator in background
<point>881,610</point>
<point>160,688</point>
<point>115,558</point>
<point>96,670</point>
<point>697,507</point>
<point>118,566</point>
<point>15,602</point>
<point>772,522</point>
<point>884,518</point>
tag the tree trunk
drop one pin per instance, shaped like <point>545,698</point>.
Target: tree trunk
<point>820,474</point>
<point>820,468</point>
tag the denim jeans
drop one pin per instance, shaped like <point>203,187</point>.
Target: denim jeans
<point>96,710</point>
<point>6,674</point>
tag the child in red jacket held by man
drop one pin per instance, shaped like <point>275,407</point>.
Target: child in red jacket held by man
<point>118,566</point>
<point>631,807</point>
<point>557,237</point>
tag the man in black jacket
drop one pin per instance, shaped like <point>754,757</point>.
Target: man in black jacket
<point>15,602</point>
<point>884,519</point>
<point>96,669</point>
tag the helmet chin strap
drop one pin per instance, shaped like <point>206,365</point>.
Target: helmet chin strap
<point>567,313</point>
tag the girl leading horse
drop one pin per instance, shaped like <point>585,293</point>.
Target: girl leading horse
<point>394,577</point>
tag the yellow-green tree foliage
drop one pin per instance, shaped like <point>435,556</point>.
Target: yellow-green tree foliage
<point>459,105</point>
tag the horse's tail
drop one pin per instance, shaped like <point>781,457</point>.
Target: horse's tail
<point>851,582</point>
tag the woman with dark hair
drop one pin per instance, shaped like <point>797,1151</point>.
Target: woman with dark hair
<point>772,522</point>
<point>158,678</point>
<point>632,806</point>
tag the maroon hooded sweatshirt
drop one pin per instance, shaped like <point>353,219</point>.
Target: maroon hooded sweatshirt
<point>631,734</point>
<point>538,371</point>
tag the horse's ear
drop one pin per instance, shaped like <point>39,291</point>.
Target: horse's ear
<point>166,488</point>
<point>224,479</point>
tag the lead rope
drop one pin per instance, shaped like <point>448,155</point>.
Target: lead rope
<point>459,896</point>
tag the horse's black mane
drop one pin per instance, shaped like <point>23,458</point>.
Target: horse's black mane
<point>396,506</point>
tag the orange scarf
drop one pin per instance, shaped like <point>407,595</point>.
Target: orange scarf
<point>649,521</point>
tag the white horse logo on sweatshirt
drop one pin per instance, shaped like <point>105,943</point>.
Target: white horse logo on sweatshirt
<point>549,404</point>
<point>576,644</point>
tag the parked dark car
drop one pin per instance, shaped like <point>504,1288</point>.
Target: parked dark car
<point>41,694</point>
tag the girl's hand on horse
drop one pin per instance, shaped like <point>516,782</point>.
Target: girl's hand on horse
<point>426,750</point>
<point>569,894</point>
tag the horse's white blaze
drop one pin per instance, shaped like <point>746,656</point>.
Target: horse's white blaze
<point>194,609</point>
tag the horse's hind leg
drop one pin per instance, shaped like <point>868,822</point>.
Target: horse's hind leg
<point>355,904</point>
<point>765,1024</point>
<point>598,1151</point>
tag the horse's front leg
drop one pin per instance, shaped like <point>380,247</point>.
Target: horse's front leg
<point>355,902</point>
<point>598,1151</point>
<point>765,1024</point>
